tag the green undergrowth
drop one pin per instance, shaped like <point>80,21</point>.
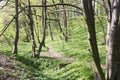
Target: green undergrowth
<point>46,68</point>
<point>78,48</point>
<point>43,68</point>
<point>24,67</point>
<point>74,71</point>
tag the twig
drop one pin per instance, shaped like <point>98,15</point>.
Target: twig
<point>4,4</point>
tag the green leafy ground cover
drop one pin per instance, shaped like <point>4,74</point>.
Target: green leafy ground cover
<point>23,67</point>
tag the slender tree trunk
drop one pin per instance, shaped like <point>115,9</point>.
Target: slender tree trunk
<point>109,17</point>
<point>31,30</point>
<point>44,24</point>
<point>51,33</point>
<point>37,31</point>
<point>58,21</point>
<point>15,48</point>
<point>49,26</point>
<point>108,11</point>
<point>89,18</point>
<point>26,28</point>
<point>64,21</point>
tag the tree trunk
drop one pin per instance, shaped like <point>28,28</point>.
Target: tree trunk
<point>113,56</point>
<point>64,21</point>
<point>26,28</point>
<point>15,48</point>
<point>44,24</point>
<point>89,18</point>
<point>30,23</point>
<point>49,26</point>
<point>58,21</point>
<point>37,31</point>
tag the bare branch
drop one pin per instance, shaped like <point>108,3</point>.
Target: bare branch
<point>58,5</point>
<point>5,28</point>
<point>4,4</point>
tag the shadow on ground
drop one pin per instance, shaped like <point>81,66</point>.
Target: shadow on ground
<point>24,67</point>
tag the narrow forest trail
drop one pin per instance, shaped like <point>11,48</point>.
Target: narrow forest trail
<point>51,53</point>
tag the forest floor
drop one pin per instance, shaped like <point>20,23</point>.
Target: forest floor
<point>51,53</point>
<point>7,67</point>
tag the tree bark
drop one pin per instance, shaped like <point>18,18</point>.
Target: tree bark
<point>89,18</point>
<point>44,24</point>
<point>50,30</point>
<point>37,31</point>
<point>64,21</point>
<point>15,48</point>
<point>113,56</point>
<point>30,23</point>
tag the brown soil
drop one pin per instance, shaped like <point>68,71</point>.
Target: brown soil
<point>6,69</point>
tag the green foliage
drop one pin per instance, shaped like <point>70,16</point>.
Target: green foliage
<point>27,67</point>
<point>45,68</point>
<point>74,71</point>
<point>34,68</point>
<point>78,47</point>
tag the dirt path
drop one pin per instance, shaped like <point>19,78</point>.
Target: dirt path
<point>53,54</point>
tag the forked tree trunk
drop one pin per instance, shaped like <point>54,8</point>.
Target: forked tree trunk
<point>89,18</point>
<point>15,48</point>
<point>44,24</point>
